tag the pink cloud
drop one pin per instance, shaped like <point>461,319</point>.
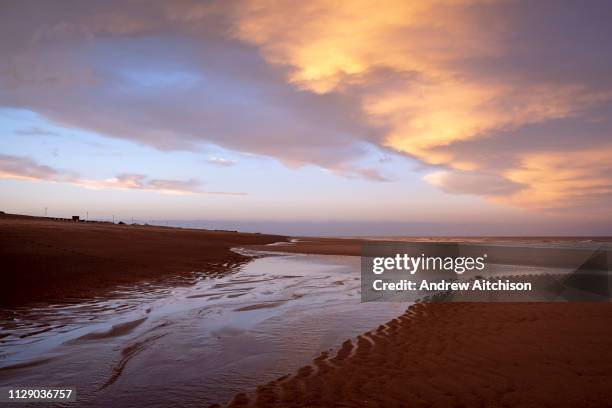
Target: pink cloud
<point>23,168</point>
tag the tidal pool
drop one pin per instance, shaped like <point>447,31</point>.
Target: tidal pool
<point>191,344</point>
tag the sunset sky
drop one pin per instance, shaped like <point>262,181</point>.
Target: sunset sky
<point>316,117</point>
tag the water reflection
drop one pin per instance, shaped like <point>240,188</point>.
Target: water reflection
<point>195,341</point>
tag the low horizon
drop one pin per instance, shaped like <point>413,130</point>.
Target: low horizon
<point>340,229</point>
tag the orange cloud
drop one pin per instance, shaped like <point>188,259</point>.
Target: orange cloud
<point>430,98</point>
<point>327,42</point>
<point>564,179</point>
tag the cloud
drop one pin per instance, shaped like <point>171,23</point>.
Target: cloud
<point>456,182</point>
<point>227,193</point>
<point>429,86</point>
<point>220,161</point>
<point>142,182</point>
<point>22,168</point>
<point>35,131</point>
<point>485,90</point>
<point>168,76</point>
<point>367,173</point>
<point>582,178</point>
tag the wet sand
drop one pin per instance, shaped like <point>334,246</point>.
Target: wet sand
<point>320,246</point>
<point>436,354</point>
<point>462,355</point>
<point>49,260</point>
<point>191,345</point>
<point>353,246</point>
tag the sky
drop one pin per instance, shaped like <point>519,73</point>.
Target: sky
<point>446,117</point>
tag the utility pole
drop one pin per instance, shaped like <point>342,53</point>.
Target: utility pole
<point>87,216</point>
<point>113,219</point>
<point>132,220</point>
<point>45,211</point>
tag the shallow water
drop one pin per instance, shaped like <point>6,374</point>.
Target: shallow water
<point>191,344</point>
<point>594,243</point>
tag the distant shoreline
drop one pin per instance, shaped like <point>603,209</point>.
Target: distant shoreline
<point>53,259</point>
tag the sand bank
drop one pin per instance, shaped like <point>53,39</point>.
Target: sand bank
<point>50,260</point>
<point>462,355</point>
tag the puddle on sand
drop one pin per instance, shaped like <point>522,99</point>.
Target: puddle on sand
<point>192,345</point>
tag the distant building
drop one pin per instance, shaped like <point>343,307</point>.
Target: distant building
<point>76,218</point>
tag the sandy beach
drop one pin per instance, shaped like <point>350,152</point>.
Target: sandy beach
<point>462,355</point>
<point>45,259</point>
<point>435,354</point>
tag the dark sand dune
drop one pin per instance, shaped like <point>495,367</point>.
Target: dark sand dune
<point>462,355</point>
<point>50,260</point>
